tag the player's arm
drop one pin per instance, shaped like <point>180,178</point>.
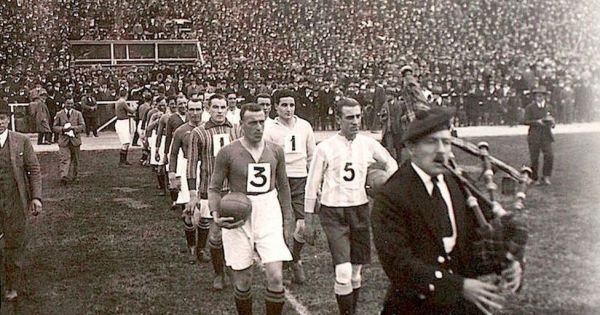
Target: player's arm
<point>310,144</point>
<point>313,186</point>
<point>169,134</point>
<point>194,149</point>
<point>159,132</point>
<point>383,158</point>
<point>283,185</point>
<point>219,174</point>
<point>175,146</point>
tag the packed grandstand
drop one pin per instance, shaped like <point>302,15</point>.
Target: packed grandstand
<point>468,55</point>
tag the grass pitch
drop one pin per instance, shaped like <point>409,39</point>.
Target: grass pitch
<point>109,245</point>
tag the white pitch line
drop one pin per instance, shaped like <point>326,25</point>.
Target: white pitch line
<point>298,307</point>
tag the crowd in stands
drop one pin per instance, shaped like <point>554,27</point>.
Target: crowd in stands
<point>468,54</point>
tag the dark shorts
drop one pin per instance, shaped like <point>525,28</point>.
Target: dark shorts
<point>348,233</point>
<point>297,188</point>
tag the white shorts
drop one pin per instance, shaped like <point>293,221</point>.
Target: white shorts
<point>202,212</point>
<point>122,128</point>
<point>181,173</point>
<point>262,232</point>
<point>152,143</point>
<point>139,129</point>
<point>161,151</point>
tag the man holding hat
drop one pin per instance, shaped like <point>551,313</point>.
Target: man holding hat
<point>423,231</point>
<point>20,192</point>
<point>539,118</point>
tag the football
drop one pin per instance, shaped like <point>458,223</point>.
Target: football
<point>235,205</point>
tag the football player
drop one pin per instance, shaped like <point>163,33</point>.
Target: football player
<point>339,169</point>
<point>254,167</point>
<point>205,142</point>
<point>295,135</point>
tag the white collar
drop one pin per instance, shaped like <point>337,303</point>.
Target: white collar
<point>3,137</point>
<point>426,178</point>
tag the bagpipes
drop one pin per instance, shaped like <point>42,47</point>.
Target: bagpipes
<point>503,237</point>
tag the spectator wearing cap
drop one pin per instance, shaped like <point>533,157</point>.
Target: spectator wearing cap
<point>423,231</point>
<point>539,118</point>
<point>89,108</point>
<point>38,111</point>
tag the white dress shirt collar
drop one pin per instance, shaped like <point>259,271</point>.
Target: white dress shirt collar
<point>3,137</point>
<point>449,242</point>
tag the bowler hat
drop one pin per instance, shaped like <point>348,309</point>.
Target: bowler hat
<point>4,108</point>
<point>540,89</point>
<point>405,69</point>
<point>427,122</point>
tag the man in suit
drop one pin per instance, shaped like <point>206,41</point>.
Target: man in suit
<point>89,107</point>
<point>18,165</point>
<point>540,121</point>
<point>423,232</point>
<point>69,124</point>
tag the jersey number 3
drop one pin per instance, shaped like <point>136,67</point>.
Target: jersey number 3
<point>259,177</point>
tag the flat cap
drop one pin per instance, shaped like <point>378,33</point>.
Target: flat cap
<point>427,122</point>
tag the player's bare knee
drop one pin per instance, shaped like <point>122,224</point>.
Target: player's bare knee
<point>242,279</point>
<point>274,276</point>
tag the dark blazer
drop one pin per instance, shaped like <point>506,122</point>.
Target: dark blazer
<point>26,168</point>
<point>424,278</point>
<point>538,133</point>
<point>77,123</point>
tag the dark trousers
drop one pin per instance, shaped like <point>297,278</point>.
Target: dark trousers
<point>12,224</point>
<point>544,147</point>
<point>91,125</point>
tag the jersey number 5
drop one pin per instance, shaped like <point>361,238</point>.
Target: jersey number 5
<point>349,172</point>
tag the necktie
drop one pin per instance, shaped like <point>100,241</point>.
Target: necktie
<point>441,210</point>
<point>68,114</point>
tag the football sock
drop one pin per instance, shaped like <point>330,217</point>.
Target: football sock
<point>345,303</point>
<point>190,234</point>
<point>161,180</point>
<point>217,257</point>
<point>173,193</point>
<point>274,302</point>
<point>203,229</point>
<point>296,249</point>
<point>243,301</point>
<point>355,294</point>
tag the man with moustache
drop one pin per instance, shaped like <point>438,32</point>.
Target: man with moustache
<point>423,232</point>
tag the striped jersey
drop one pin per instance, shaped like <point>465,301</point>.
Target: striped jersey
<point>339,169</point>
<point>298,144</point>
<point>205,142</point>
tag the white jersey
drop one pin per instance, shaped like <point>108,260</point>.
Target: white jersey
<point>233,116</point>
<point>339,168</point>
<point>298,144</point>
